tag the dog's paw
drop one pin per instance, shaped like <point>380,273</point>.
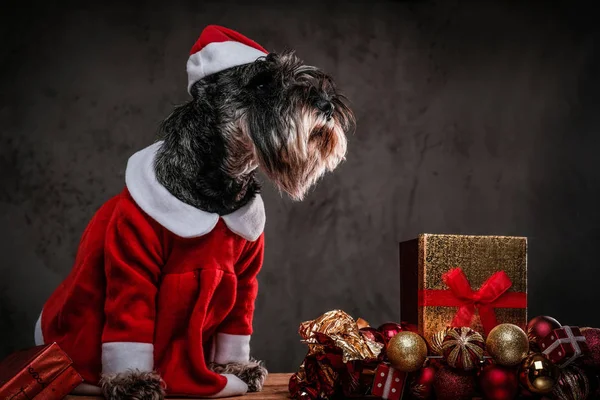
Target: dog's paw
<point>253,373</point>
<point>133,385</point>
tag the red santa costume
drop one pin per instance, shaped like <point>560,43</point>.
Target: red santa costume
<point>158,284</point>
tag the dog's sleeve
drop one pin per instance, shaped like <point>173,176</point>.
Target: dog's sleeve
<point>132,267</point>
<point>232,343</point>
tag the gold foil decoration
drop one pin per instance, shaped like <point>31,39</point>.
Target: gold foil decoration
<point>361,323</point>
<point>341,329</point>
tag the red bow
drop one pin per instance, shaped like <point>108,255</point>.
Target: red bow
<point>492,294</point>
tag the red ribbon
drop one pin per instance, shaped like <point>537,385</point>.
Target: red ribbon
<point>492,294</point>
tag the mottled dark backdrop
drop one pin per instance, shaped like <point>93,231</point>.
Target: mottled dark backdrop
<point>473,117</point>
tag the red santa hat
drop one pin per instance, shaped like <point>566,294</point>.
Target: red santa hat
<point>219,48</point>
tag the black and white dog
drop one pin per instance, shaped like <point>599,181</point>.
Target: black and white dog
<point>161,297</point>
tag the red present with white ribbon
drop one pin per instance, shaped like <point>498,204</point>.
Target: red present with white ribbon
<point>388,382</point>
<point>564,345</point>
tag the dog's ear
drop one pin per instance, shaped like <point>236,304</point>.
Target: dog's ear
<point>196,89</point>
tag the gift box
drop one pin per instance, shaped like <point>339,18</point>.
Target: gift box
<point>564,345</point>
<point>463,280</point>
<point>388,382</point>
<point>40,373</point>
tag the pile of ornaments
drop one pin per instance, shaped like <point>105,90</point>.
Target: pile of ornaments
<point>549,361</point>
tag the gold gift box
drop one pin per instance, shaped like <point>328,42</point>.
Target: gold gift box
<point>430,302</point>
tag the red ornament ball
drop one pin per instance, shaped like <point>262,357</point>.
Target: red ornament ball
<point>421,386</point>
<point>463,348</point>
<point>592,337</point>
<point>450,384</point>
<point>389,330</point>
<point>538,328</point>
<point>499,382</point>
<point>409,327</point>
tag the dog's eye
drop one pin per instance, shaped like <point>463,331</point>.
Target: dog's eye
<point>260,81</point>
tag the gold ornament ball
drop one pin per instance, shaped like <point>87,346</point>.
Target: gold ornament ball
<point>538,374</point>
<point>407,351</point>
<point>436,341</point>
<point>507,344</point>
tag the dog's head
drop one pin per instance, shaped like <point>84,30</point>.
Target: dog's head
<point>281,115</point>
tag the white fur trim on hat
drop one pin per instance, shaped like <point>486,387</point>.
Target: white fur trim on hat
<point>178,217</point>
<point>219,56</point>
<point>121,356</point>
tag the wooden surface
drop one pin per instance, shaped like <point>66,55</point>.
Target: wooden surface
<point>275,388</point>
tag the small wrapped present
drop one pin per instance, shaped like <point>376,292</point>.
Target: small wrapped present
<point>564,345</point>
<point>388,382</point>
<point>40,373</point>
<point>458,280</point>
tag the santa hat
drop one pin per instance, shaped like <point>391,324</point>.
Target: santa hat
<point>219,48</point>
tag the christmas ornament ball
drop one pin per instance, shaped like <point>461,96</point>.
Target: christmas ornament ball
<point>498,382</point>
<point>463,348</point>
<point>407,351</point>
<point>421,386</point>
<point>539,327</point>
<point>538,374</point>
<point>507,344</point>
<point>436,341</point>
<point>389,330</point>
<point>592,338</point>
<point>573,384</point>
<point>452,384</point>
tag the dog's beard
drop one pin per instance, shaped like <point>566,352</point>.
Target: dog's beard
<point>310,146</point>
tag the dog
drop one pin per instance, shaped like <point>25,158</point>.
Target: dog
<point>161,298</point>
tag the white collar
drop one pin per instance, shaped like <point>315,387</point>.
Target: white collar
<point>178,217</point>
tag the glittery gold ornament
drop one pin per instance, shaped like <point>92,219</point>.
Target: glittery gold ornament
<point>407,351</point>
<point>538,374</point>
<point>573,384</point>
<point>463,348</point>
<point>436,341</point>
<point>507,344</point>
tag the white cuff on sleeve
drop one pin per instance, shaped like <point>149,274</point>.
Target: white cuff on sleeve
<point>121,356</point>
<point>231,348</point>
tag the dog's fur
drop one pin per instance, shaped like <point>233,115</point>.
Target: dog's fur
<point>253,373</point>
<point>276,113</point>
<point>265,113</point>
<point>133,385</point>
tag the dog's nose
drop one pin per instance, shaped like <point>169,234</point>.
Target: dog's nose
<point>325,106</point>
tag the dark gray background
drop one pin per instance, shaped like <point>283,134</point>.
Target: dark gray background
<point>473,117</point>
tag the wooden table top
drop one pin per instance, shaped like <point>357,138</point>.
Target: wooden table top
<point>275,388</point>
